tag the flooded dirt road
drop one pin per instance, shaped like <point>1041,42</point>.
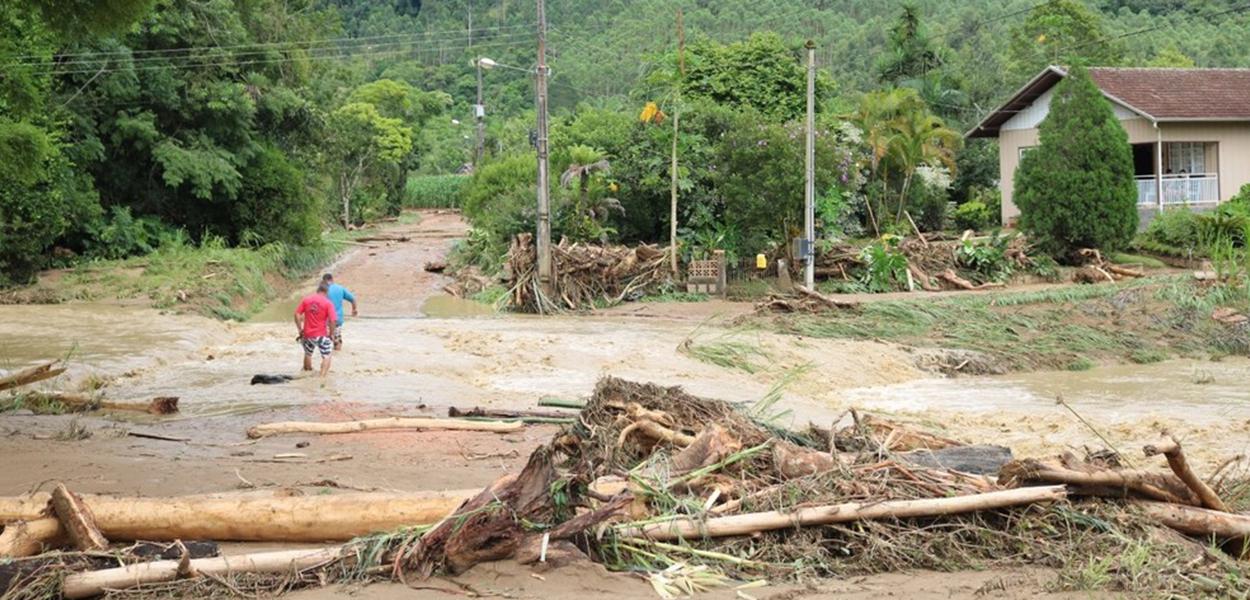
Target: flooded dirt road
<point>413,351</point>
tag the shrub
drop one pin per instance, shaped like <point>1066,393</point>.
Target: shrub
<point>988,259</point>
<point>972,215</point>
<point>886,266</point>
<point>435,191</point>
<point>122,235</point>
<point>1178,228</point>
<point>273,205</point>
<point>1076,190</point>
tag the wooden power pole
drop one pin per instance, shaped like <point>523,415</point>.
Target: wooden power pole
<point>544,202</point>
<point>672,215</point>
<point>809,187</point>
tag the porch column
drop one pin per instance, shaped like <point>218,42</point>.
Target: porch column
<point>1158,167</point>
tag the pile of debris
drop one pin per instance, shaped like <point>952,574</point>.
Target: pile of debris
<point>585,275</point>
<point>1097,269</point>
<point>933,261</point>
<point>653,480</point>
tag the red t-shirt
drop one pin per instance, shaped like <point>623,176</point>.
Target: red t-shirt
<point>317,311</point>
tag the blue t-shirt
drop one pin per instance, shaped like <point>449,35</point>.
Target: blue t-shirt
<point>338,294</point>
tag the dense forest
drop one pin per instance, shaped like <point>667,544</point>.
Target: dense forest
<point>128,124</point>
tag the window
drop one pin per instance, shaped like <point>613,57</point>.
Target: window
<point>1186,157</point>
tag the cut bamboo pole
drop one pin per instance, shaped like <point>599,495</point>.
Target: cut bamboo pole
<point>77,521</point>
<point>28,376</point>
<point>249,518</point>
<point>1171,450</point>
<point>751,523</point>
<point>1197,521</point>
<point>94,583</point>
<point>409,423</point>
<point>28,538</point>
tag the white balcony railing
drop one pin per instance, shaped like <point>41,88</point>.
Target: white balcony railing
<point>1198,188</point>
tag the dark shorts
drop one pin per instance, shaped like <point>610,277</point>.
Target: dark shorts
<point>338,333</point>
<point>324,344</point>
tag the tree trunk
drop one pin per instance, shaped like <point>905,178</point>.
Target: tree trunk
<point>1198,521</point>
<point>750,523</point>
<point>14,573</point>
<point>31,375</point>
<point>1171,449</point>
<point>411,423</point>
<point>76,519</point>
<point>28,538</point>
<point>250,518</point>
<point>94,583</point>
<point>162,405</point>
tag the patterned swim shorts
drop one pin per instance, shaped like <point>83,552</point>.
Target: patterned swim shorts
<point>323,343</point>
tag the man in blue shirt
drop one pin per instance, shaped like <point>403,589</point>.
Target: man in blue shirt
<point>338,294</point>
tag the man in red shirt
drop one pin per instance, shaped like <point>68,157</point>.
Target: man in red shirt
<point>314,318</point>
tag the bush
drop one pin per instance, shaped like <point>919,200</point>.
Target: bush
<point>435,191</point>
<point>973,215</point>
<point>273,205</point>
<point>886,267</point>
<point>1076,190</point>
<point>122,235</point>
<point>1178,228</point>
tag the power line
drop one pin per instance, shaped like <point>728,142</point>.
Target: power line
<point>296,43</point>
<point>371,51</point>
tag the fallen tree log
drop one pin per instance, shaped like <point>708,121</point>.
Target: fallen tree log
<point>750,523</point>
<point>1198,521</point>
<point>826,300</point>
<point>14,572</point>
<point>38,505</point>
<point>389,423</point>
<point>161,405</point>
<point>250,518</point>
<point>76,519</point>
<point>1171,450</point>
<point>94,583</point>
<point>963,284</point>
<point>1097,481</point>
<point>29,376</point>
<point>496,413</point>
<point>28,538</point>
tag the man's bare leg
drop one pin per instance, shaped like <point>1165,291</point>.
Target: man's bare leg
<point>308,362</point>
<point>325,365</point>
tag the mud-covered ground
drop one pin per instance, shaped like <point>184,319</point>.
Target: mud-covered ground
<point>413,351</point>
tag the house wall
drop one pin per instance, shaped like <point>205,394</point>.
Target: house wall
<point>1232,153</point>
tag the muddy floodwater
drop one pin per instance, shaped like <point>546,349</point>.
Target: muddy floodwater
<point>1196,391</point>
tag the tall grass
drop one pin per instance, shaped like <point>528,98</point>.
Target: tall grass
<point>434,191</point>
<point>210,277</point>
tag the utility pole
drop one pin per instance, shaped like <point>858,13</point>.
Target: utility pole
<point>479,115</point>
<point>545,278</point>
<point>672,216</point>
<point>809,188</point>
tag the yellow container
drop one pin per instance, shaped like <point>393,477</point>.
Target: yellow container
<point>761,263</point>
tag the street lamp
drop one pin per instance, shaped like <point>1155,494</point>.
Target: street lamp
<point>479,110</point>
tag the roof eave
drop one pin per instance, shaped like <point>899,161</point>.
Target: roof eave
<point>981,130</point>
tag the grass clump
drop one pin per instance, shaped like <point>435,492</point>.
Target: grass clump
<point>729,350</point>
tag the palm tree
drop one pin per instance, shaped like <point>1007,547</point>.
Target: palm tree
<point>902,134</point>
<point>584,163</point>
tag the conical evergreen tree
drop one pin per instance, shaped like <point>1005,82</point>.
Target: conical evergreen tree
<point>1076,189</point>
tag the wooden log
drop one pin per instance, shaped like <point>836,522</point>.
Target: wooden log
<point>94,583</point>
<point>76,519</point>
<point>29,376</point>
<point>28,538</point>
<point>964,284</point>
<point>1197,521</point>
<point>162,405</point>
<point>1095,481</point>
<point>251,518</point>
<point>39,504</point>
<point>13,573</point>
<point>1171,450</point>
<point>823,299</point>
<point>656,432</point>
<point>495,413</point>
<point>389,423</point>
<point>750,523</point>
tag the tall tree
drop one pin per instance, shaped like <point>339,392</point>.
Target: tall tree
<point>1061,32</point>
<point>1076,190</point>
<point>910,54</point>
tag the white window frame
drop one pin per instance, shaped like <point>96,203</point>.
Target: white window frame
<point>1187,157</point>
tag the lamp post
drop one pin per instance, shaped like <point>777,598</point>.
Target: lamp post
<point>479,110</point>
